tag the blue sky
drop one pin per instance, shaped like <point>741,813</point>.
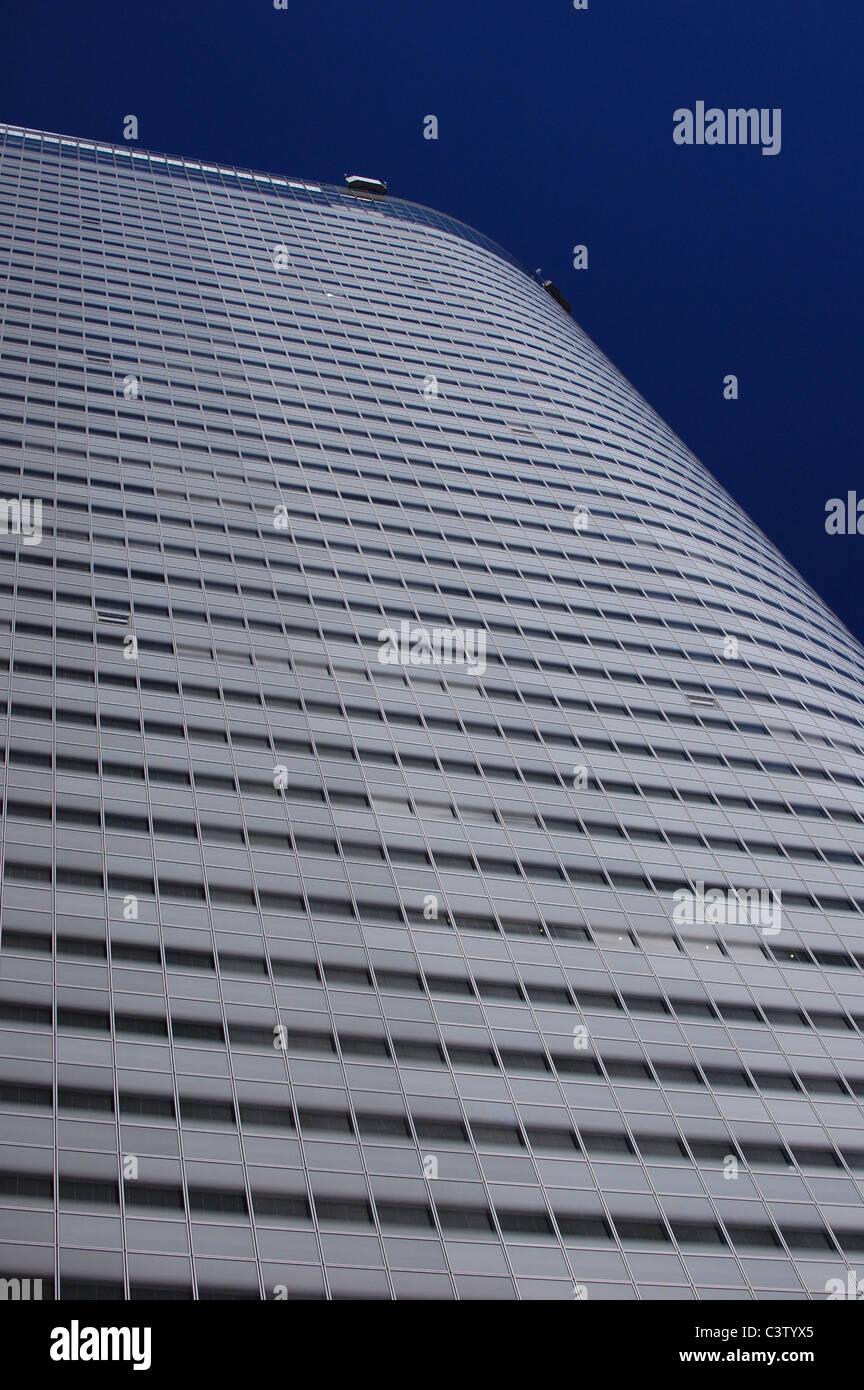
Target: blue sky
<point>555,128</point>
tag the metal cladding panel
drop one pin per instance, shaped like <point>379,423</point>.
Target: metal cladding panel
<point>433,861</point>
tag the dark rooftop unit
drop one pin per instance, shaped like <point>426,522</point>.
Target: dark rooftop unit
<point>556,294</point>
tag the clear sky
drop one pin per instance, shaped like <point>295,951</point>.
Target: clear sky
<point>555,129</point>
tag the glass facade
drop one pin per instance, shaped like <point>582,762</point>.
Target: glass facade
<point>392,706</point>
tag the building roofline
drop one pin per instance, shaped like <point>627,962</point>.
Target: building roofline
<point>261,177</point>
<point>435,218</point>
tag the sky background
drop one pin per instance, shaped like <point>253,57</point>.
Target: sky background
<point>555,128</point>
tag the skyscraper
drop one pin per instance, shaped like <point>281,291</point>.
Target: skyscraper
<point>433,860</point>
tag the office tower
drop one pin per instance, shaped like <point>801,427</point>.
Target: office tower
<point>433,810</point>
